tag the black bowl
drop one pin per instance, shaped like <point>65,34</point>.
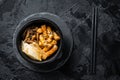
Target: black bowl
<point>38,22</point>
<point>65,44</point>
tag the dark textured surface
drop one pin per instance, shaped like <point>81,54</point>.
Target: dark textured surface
<point>77,15</point>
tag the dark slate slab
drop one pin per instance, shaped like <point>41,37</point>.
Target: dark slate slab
<point>77,15</point>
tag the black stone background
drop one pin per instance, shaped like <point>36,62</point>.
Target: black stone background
<point>77,15</point>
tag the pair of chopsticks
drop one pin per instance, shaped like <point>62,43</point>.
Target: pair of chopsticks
<point>94,40</point>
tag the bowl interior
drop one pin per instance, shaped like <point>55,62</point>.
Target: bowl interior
<point>38,22</point>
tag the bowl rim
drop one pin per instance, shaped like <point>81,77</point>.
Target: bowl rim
<point>22,25</point>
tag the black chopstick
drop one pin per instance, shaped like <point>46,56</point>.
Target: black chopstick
<point>94,40</point>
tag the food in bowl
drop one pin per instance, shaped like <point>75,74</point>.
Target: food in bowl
<point>39,43</point>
